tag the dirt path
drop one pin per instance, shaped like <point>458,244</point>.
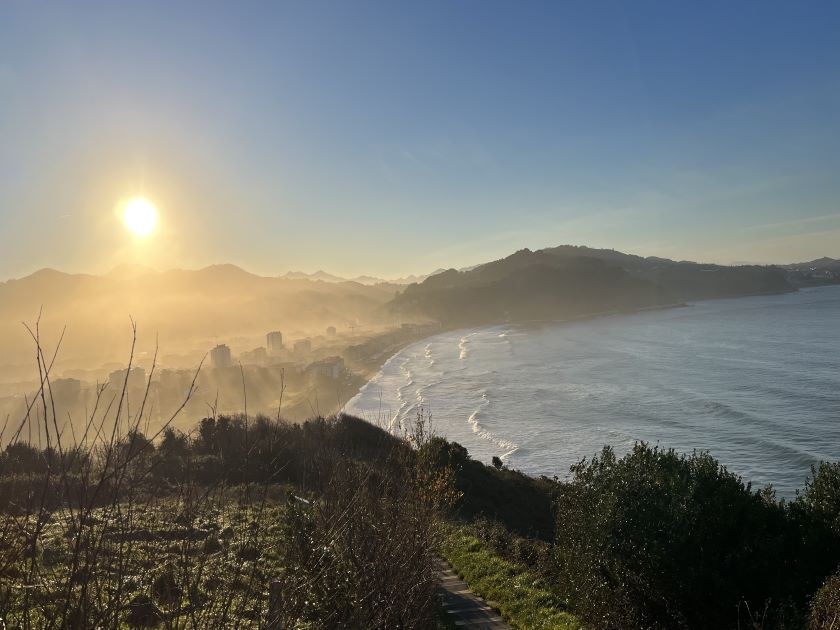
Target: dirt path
<point>465,608</point>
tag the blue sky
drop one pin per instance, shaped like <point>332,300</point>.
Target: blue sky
<point>393,137</point>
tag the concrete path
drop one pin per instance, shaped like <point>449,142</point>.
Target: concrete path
<point>465,607</point>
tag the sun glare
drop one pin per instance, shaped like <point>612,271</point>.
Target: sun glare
<point>140,217</point>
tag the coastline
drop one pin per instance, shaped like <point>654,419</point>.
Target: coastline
<point>371,353</point>
<point>364,362</point>
<point>374,365</point>
<point>737,395</point>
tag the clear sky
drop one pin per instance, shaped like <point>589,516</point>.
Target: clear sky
<point>395,137</point>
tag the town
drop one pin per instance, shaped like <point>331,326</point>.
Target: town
<point>294,380</point>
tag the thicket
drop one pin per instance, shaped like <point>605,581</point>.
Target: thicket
<point>522,503</point>
<point>655,539</point>
<point>649,540</point>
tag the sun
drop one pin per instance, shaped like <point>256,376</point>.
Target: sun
<point>140,217</point>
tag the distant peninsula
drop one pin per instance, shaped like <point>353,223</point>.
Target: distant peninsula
<point>571,281</point>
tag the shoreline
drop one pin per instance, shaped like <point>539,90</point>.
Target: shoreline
<point>370,355</point>
<point>364,362</point>
<point>361,381</point>
<point>372,371</point>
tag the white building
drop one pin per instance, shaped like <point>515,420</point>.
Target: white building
<point>274,342</point>
<point>331,368</point>
<point>303,347</point>
<point>220,356</point>
<point>136,379</point>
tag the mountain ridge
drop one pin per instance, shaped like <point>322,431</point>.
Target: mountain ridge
<point>571,281</point>
<point>193,307</point>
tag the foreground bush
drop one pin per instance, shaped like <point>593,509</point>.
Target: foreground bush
<point>358,552</point>
<point>658,540</point>
<point>825,607</point>
<point>522,503</point>
<point>363,554</point>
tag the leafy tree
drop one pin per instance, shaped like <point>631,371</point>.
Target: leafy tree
<point>659,540</point>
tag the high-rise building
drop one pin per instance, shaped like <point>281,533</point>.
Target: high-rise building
<point>274,342</point>
<point>332,368</point>
<point>257,356</point>
<point>303,347</point>
<point>220,356</point>
<point>136,379</point>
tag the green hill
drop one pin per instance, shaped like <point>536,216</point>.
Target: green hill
<point>566,281</point>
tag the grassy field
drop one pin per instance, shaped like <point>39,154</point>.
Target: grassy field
<point>169,565</point>
<point>163,562</point>
<point>523,599</point>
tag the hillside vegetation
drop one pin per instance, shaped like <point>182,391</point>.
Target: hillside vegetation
<point>653,539</point>
<point>335,523</point>
<point>244,524</point>
<point>566,282</point>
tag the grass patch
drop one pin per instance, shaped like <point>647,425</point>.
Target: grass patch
<point>211,567</point>
<point>522,597</point>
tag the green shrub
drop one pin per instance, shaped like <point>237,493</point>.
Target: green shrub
<point>660,540</point>
<point>522,503</point>
<point>825,606</point>
<point>821,497</point>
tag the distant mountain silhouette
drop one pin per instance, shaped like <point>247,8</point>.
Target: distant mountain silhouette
<point>189,309</point>
<point>193,309</point>
<point>815,272</point>
<point>570,281</point>
<point>819,263</point>
<point>323,276</point>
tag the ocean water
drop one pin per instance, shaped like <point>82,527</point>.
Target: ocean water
<point>755,381</point>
